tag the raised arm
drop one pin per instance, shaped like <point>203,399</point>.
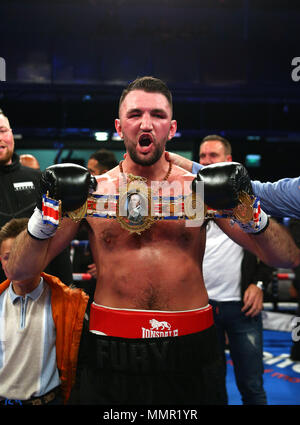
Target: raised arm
<point>34,248</point>
<point>224,183</point>
<point>279,199</point>
<point>274,246</point>
<point>30,256</point>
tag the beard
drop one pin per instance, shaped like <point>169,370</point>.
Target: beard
<point>147,161</point>
<point>6,159</point>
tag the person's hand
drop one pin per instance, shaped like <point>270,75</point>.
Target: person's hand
<point>253,300</point>
<point>179,160</point>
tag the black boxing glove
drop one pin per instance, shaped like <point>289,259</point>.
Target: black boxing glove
<point>69,183</point>
<point>224,182</point>
<point>67,187</point>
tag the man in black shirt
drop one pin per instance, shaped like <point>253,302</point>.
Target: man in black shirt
<point>19,186</point>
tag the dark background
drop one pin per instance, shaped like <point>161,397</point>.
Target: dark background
<point>227,62</point>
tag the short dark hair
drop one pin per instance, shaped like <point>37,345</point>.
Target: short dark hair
<point>13,228</point>
<point>225,142</point>
<point>105,158</point>
<point>148,84</point>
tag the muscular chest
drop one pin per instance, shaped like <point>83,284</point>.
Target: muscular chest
<point>107,234</point>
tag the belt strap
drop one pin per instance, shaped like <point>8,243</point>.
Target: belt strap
<point>35,401</point>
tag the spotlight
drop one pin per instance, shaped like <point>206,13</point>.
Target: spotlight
<point>101,136</point>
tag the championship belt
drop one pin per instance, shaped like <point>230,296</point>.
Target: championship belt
<point>247,211</point>
<point>136,210</point>
<point>136,207</point>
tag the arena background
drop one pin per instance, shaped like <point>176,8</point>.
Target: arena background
<point>229,63</point>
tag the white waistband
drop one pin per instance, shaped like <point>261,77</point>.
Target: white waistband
<point>154,311</point>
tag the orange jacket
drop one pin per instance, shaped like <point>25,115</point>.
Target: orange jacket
<point>68,309</point>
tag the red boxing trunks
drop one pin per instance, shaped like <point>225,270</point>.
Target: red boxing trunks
<point>126,323</point>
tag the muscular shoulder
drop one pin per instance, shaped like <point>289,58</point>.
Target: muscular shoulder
<point>113,173</point>
<point>110,178</point>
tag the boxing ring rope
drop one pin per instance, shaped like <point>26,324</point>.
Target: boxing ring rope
<point>77,242</point>
<point>278,276</point>
<point>81,276</point>
<point>88,276</point>
<point>285,276</point>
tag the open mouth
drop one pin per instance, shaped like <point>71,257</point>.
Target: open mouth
<point>145,144</point>
<point>145,140</point>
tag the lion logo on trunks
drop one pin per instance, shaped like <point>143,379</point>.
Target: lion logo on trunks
<point>156,325</point>
<point>159,329</point>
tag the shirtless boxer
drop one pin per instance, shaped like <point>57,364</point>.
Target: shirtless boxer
<point>152,277</point>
